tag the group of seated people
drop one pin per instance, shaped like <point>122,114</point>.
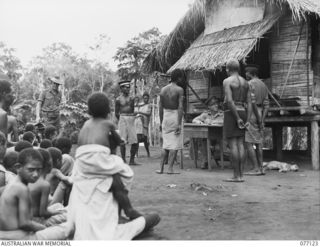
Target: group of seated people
<point>46,195</point>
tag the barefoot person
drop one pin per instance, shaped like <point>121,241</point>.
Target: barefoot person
<point>15,203</point>
<point>97,182</point>
<point>124,111</point>
<point>171,110</point>
<point>237,95</point>
<point>254,132</point>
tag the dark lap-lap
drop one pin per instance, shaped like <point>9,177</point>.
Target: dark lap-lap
<point>230,126</point>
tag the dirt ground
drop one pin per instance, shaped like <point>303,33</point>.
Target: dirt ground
<point>277,206</point>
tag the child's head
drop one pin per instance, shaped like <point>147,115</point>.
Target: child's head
<point>22,145</point>
<point>3,146</point>
<point>46,143</point>
<point>56,156</point>
<point>29,136</point>
<point>50,132</point>
<point>47,160</point>
<point>30,164</point>
<point>10,160</point>
<point>29,127</point>
<point>64,144</point>
<point>98,105</point>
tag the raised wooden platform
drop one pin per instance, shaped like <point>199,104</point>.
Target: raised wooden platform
<point>309,121</point>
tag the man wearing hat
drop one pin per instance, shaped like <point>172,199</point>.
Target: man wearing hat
<point>254,131</point>
<point>49,102</point>
<point>124,111</point>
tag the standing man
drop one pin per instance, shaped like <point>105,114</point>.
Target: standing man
<point>48,106</point>
<point>254,132</point>
<point>5,101</point>
<point>237,95</point>
<point>124,111</point>
<point>144,111</point>
<point>171,111</point>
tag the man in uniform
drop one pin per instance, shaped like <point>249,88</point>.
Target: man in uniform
<point>254,132</point>
<point>124,111</point>
<point>171,111</point>
<point>237,95</point>
<point>48,104</point>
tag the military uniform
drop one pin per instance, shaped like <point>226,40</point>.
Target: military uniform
<point>50,110</point>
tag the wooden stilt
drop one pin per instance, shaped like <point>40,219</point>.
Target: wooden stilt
<point>278,141</point>
<point>315,145</point>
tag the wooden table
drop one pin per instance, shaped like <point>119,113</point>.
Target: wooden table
<point>209,132</point>
<point>310,121</point>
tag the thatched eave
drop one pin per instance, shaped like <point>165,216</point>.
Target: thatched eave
<point>212,51</point>
<point>175,44</point>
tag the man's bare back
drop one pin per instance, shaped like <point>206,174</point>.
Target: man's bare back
<point>39,191</point>
<point>170,96</point>
<point>236,89</point>
<point>9,204</point>
<point>96,131</point>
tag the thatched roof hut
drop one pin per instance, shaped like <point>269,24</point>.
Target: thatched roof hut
<point>208,52</point>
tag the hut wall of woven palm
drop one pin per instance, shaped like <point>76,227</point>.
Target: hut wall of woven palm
<point>192,25</point>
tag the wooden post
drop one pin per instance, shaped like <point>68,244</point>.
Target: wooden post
<point>277,141</point>
<point>315,145</point>
<point>308,87</point>
<point>309,139</point>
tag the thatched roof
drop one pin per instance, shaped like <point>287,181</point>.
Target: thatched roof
<point>214,50</point>
<point>175,44</point>
<point>192,25</point>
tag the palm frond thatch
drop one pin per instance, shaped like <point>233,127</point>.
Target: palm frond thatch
<point>213,50</point>
<point>192,25</point>
<point>175,44</point>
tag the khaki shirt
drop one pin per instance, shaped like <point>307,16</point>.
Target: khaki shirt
<point>50,100</point>
<point>259,92</point>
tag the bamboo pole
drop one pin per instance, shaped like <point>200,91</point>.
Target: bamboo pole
<point>292,60</point>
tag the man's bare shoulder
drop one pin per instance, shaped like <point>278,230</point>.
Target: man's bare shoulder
<point>16,189</point>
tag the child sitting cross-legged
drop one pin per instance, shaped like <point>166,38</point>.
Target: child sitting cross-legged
<point>55,175</point>
<point>100,182</point>
<point>16,210</point>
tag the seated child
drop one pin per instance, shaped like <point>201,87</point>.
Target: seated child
<point>40,192</point>
<point>15,214</point>
<point>29,136</point>
<point>46,143</point>
<point>50,132</point>
<point>55,175</point>
<point>104,173</point>
<point>64,145</point>
<point>21,145</point>
<point>9,162</point>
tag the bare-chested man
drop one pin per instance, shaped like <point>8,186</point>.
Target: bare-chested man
<point>237,95</point>
<point>5,99</point>
<point>171,111</point>
<point>124,111</point>
<point>13,134</point>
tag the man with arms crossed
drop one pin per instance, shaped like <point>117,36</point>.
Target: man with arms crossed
<point>237,95</point>
<point>171,111</point>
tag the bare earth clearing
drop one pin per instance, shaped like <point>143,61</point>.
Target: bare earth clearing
<point>278,206</point>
